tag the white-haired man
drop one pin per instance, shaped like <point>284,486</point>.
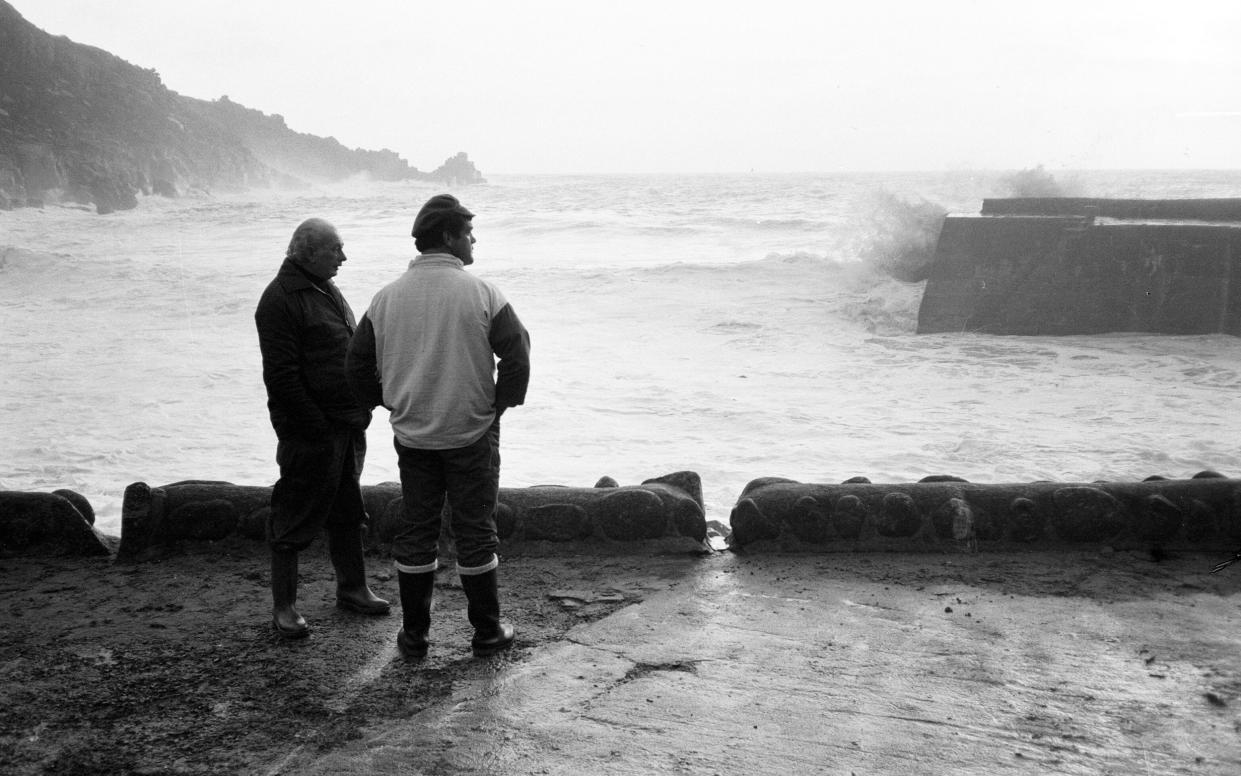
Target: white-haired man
<point>304,327</point>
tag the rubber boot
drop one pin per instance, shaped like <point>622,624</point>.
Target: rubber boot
<point>284,618</point>
<point>344,546</point>
<point>417,592</point>
<point>491,635</point>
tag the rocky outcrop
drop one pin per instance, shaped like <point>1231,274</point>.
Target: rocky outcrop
<point>81,125</point>
<point>458,170</point>
<point>78,124</point>
<point>301,155</point>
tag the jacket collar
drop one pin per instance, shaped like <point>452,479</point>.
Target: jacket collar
<point>294,278</point>
<point>436,260</point>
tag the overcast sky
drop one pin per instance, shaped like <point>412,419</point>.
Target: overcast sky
<point>716,86</point>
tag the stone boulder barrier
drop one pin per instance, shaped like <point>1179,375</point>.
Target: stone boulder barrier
<point>58,523</point>
<point>153,518</point>
<point>944,512</point>
<point>660,509</point>
<point>666,512</point>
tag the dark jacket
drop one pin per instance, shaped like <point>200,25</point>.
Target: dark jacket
<point>304,331</point>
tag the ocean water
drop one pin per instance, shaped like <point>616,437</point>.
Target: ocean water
<point>736,326</point>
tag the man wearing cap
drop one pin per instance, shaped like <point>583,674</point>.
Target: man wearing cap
<point>304,325</point>
<point>426,350</point>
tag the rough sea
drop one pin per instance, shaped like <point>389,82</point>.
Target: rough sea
<point>735,325</point>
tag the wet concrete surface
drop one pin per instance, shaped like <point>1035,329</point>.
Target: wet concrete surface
<point>1067,663</point>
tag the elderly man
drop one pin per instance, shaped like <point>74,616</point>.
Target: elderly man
<point>427,349</point>
<point>304,327</point>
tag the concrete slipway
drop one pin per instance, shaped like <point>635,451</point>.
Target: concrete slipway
<point>1028,663</point>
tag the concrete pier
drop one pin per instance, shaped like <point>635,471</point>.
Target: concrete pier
<point>1061,266</point>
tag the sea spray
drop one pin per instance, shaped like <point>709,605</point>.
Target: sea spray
<point>1036,182</point>
<point>900,235</point>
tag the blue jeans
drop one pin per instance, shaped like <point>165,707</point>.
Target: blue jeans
<point>468,478</point>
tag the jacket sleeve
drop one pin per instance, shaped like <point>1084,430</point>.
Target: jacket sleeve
<point>511,343</point>
<point>281,348</point>
<point>362,366</point>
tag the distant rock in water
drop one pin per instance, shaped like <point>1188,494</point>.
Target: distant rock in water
<point>458,170</point>
<point>78,124</point>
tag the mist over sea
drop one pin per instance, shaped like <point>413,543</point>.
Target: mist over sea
<point>737,326</point>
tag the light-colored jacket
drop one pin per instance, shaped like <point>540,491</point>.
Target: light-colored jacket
<point>426,349</point>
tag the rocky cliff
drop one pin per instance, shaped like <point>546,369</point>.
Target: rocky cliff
<point>81,125</point>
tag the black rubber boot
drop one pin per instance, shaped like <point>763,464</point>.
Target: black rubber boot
<point>482,593</point>
<point>344,546</point>
<point>284,617</point>
<point>417,592</point>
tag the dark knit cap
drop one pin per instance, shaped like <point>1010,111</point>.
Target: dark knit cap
<point>435,214</point>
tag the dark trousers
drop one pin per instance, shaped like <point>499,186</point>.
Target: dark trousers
<point>319,486</point>
<point>469,479</point>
